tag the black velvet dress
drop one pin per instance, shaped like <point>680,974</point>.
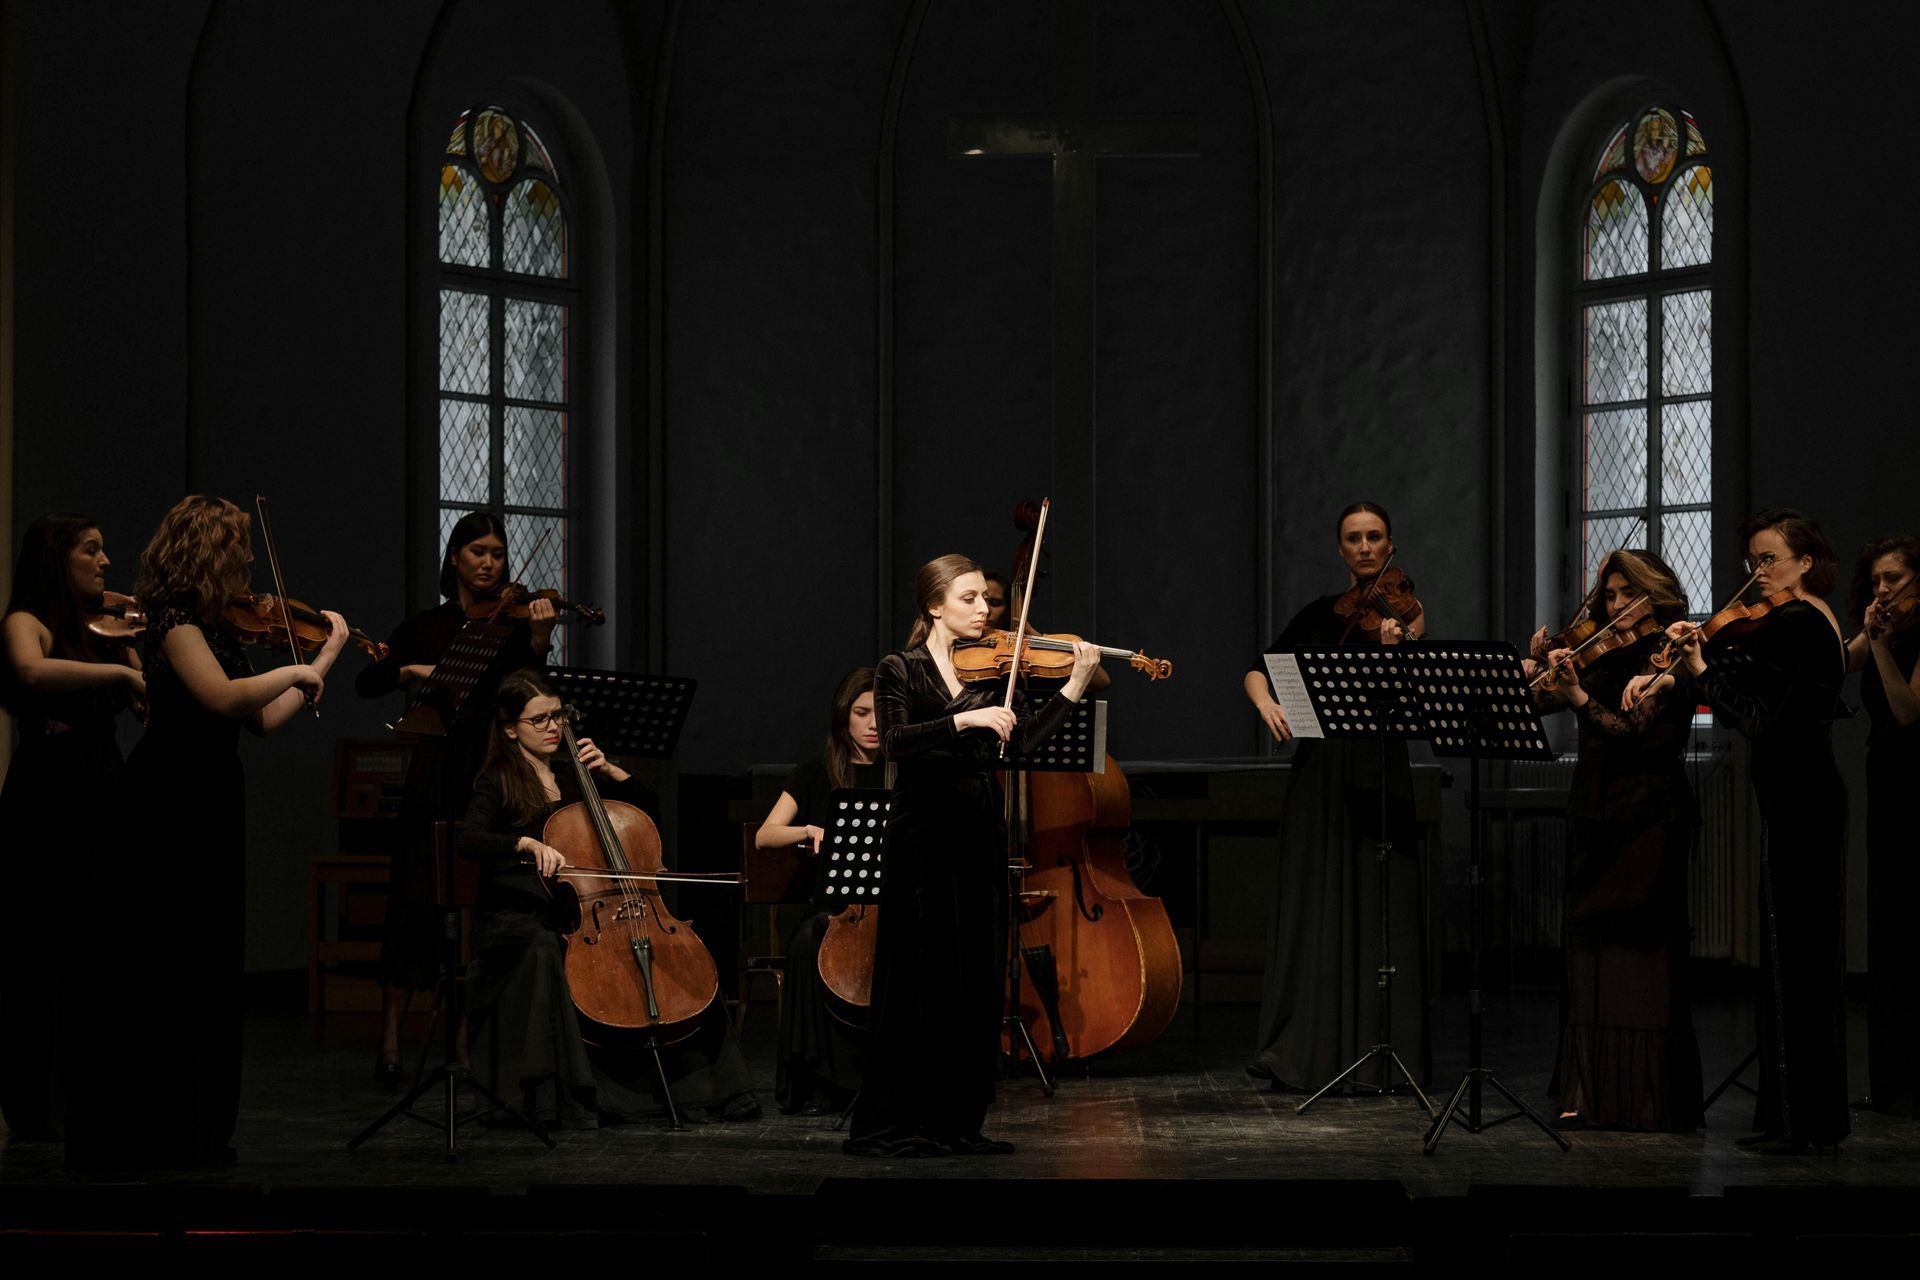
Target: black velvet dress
<point>524,1038</point>
<point>160,1058</point>
<point>440,775</point>
<point>1320,1006</point>
<point>1779,685</point>
<point>1628,1057</point>
<point>938,982</point>
<point>1893,886</point>
<point>819,1055</point>
<point>66,773</point>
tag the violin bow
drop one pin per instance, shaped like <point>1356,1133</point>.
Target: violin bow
<point>1613,624</point>
<point>1026,603</point>
<point>280,590</point>
<point>1367,596</point>
<point>506,599</point>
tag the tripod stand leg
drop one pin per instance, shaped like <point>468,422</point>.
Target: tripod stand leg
<point>1529,1112</point>
<point>847,1114</point>
<point>1445,1117</point>
<point>1328,1087</point>
<point>1733,1080</point>
<point>1033,1054</point>
<point>1426,1103</point>
<point>394,1111</point>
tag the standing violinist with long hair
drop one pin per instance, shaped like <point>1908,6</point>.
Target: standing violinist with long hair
<point>175,968</point>
<point>524,1038</point>
<point>1317,1008</point>
<point>1777,681</point>
<point>818,1060</point>
<point>65,689</point>
<point>473,566</point>
<point>1886,651</point>
<point>1628,1058</point>
<point>938,977</point>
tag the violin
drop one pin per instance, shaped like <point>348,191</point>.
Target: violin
<point>1895,612</point>
<point>632,968</point>
<point>513,600</point>
<point>259,619</point>
<point>1735,619</point>
<point>1371,601</point>
<point>117,617</point>
<point>1050,657</point>
<point>1634,624</point>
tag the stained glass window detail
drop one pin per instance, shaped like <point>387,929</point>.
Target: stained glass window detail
<point>508,306</point>
<point>1643,326</point>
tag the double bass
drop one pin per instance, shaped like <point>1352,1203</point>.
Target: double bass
<point>1101,954</point>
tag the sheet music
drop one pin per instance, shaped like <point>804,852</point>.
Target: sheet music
<point>1290,691</point>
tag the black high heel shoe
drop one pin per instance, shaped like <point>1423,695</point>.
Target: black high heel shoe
<point>386,1074</point>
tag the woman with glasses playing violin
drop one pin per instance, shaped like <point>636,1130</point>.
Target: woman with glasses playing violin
<point>1886,652</point>
<point>1628,1058</point>
<point>440,770</point>
<point>524,1039</point>
<point>1318,1010</point>
<point>1775,676</point>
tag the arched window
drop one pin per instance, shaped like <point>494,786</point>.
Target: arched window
<point>1643,325</point>
<point>508,306</point>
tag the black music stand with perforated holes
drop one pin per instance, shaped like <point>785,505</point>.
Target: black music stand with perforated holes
<point>1477,706</point>
<point>1350,693</point>
<point>854,850</point>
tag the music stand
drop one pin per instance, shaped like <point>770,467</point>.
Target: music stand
<point>1344,693</point>
<point>632,715</point>
<point>450,1007</point>
<point>1078,745</point>
<point>474,650</point>
<point>855,852</point>
<point>1476,704</point>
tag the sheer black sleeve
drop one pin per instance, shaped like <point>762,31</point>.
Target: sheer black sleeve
<point>1625,724</point>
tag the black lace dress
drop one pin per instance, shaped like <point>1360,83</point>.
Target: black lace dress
<point>1893,886</point>
<point>1319,1004</point>
<point>1779,685</point>
<point>160,1061</point>
<point>933,1038</point>
<point>1628,1057</point>
<point>65,774</point>
<point>524,1038</point>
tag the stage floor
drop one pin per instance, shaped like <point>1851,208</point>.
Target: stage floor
<point>1178,1128</point>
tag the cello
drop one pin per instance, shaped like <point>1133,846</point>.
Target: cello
<point>1102,954</point>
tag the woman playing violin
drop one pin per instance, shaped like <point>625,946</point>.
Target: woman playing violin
<point>524,1041</point>
<point>65,688</point>
<point>938,982</point>
<point>1628,1058</point>
<point>818,1064</point>
<point>179,900</point>
<point>1887,653</point>
<point>1777,681</point>
<point>473,567</point>
<point>1317,1011</point>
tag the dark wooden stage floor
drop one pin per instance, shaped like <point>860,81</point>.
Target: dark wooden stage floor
<point>1171,1152</point>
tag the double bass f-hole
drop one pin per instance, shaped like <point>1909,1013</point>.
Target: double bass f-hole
<point>1079,898</point>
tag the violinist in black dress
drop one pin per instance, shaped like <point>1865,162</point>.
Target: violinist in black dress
<point>440,770</point>
<point>1777,681</point>
<point>1628,1058</point>
<point>818,1061</point>
<point>524,1039</point>
<point>175,975</point>
<point>1887,654</point>
<point>65,689</point>
<point>1319,1010</point>
<point>939,986</point>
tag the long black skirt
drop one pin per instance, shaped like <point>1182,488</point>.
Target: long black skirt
<point>1801,1006</point>
<point>1893,885</point>
<point>819,1055</point>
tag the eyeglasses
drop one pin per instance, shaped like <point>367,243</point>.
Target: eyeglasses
<point>547,719</point>
<point>1755,566</point>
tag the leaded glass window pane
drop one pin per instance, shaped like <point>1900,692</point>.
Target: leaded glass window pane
<point>1686,452</point>
<point>536,457</point>
<point>535,231</point>
<point>1686,230</point>
<point>1616,352</point>
<point>1616,232</point>
<point>1686,543</point>
<point>466,452</point>
<point>463,218</point>
<point>539,551</point>
<point>1616,460</point>
<point>1686,366</point>
<point>536,351</point>
<point>1601,537</point>
<point>465,343</point>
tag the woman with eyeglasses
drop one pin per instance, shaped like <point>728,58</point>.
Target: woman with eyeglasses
<point>523,1039</point>
<point>440,769</point>
<point>1778,683</point>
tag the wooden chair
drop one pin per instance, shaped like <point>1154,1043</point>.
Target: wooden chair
<point>770,878</point>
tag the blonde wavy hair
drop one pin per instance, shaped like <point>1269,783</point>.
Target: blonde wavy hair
<point>197,558</point>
